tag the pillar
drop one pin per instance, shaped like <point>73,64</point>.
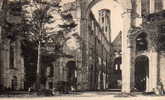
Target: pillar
<point>152,6</point>
<point>126,51</point>
<point>128,66</point>
<point>163,1</point>
<point>99,87</point>
<point>126,72</point>
<point>138,18</point>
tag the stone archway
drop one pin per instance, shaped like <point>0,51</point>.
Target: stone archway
<point>128,22</point>
<point>144,37</point>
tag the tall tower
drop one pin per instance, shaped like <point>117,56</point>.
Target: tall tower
<point>105,22</point>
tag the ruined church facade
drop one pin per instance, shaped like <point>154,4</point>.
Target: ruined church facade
<point>11,59</point>
<point>142,44</point>
<point>142,50</point>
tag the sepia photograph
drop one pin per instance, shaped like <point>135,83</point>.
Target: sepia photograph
<point>82,49</point>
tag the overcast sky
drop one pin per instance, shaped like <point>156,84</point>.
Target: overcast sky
<point>116,21</point>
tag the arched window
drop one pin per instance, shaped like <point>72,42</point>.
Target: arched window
<point>141,42</point>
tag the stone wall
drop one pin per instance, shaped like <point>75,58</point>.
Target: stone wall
<point>17,70</point>
<point>162,68</point>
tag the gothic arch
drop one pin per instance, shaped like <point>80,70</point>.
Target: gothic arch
<point>125,4</point>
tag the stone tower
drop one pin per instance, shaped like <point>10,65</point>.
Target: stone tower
<point>105,22</point>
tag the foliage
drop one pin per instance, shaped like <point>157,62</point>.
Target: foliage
<point>34,22</point>
<point>42,20</point>
<point>11,21</point>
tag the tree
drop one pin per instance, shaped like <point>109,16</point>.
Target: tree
<point>35,23</point>
<point>40,15</point>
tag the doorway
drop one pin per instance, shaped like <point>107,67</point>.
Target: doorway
<point>14,83</point>
<point>141,73</point>
<point>71,74</point>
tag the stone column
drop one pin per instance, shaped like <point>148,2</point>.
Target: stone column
<point>126,72</point>
<point>137,14</point>
<point>138,7</point>
<point>126,53</point>
<point>98,81</point>
<point>163,1</point>
<point>152,6</point>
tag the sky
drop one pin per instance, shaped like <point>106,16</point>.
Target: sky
<point>116,10</point>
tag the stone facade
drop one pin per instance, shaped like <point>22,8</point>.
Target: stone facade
<point>12,65</point>
<point>134,13</point>
<point>89,62</point>
<point>11,61</point>
<point>145,40</point>
<point>91,55</point>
